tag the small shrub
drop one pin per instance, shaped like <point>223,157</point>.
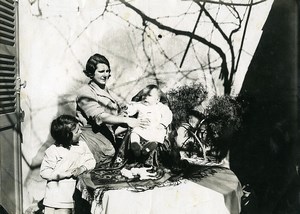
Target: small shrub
<point>224,118</point>
<point>224,112</point>
<point>183,99</point>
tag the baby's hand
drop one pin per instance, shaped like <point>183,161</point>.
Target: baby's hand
<point>78,171</point>
<point>133,122</point>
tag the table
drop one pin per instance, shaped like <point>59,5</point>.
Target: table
<point>217,193</point>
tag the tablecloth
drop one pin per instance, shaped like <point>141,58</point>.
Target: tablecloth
<point>217,193</point>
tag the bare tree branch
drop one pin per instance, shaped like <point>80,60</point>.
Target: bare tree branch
<point>227,69</point>
<point>243,38</point>
<point>146,18</point>
<point>190,40</point>
<point>222,2</point>
<point>224,70</point>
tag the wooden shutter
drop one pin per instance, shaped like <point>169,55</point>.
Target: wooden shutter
<point>10,140</point>
<point>8,72</point>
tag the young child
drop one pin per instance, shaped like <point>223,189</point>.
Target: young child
<point>144,139</point>
<point>63,162</point>
<point>185,140</point>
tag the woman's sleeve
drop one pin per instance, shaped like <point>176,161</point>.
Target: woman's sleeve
<point>166,115</point>
<point>49,167</point>
<point>91,107</point>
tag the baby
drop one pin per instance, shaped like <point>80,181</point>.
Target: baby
<point>144,139</point>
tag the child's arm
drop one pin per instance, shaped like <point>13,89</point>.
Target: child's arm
<point>88,161</point>
<point>48,169</point>
<point>78,171</point>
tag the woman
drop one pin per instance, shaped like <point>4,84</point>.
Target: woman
<point>98,111</point>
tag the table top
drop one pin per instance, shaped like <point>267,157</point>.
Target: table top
<point>213,190</point>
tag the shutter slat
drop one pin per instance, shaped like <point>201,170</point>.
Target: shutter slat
<point>6,28</point>
<point>5,57</point>
<point>7,74</point>
<point>8,4</point>
<point>6,97</point>
<point>7,17</point>
<point>7,35</point>
<point>6,9</point>
<point>7,103</point>
<point>7,85</point>
<point>6,110</point>
<point>11,2</point>
<point>7,67</point>
<point>7,91</point>
<point>6,62</point>
<point>7,42</point>
<point>7,24</point>
<point>7,79</point>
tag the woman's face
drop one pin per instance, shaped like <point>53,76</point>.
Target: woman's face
<point>102,73</point>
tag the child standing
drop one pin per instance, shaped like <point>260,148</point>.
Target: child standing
<point>144,139</point>
<point>63,162</point>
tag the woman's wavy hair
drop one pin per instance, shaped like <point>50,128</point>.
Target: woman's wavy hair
<point>93,61</point>
<point>61,130</point>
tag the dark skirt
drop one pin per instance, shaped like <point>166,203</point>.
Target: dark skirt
<point>101,147</point>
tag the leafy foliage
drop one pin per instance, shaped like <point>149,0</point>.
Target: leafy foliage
<point>183,99</point>
<point>224,119</point>
<point>223,113</point>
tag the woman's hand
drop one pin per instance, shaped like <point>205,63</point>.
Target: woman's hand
<point>133,122</point>
<point>119,119</point>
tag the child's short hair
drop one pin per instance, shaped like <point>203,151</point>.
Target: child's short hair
<point>149,88</point>
<point>196,114</point>
<point>146,91</point>
<point>61,130</point>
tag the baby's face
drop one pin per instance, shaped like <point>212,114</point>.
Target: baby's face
<point>153,97</point>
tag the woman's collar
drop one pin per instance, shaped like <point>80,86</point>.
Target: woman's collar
<point>100,91</point>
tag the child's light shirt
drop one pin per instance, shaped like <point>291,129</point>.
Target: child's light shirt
<point>59,162</point>
<point>159,116</point>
